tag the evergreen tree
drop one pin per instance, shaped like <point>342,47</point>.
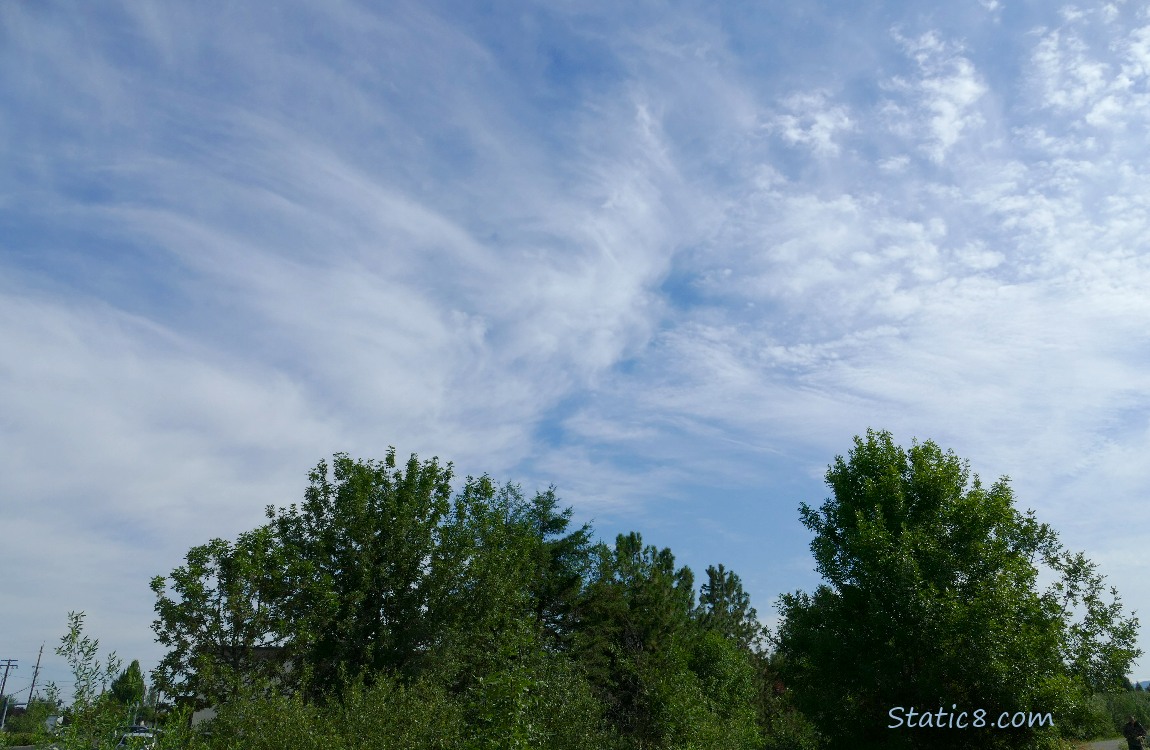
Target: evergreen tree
<point>664,680</point>
<point>128,688</point>
<point>726,608</point>
<point>563,561</point>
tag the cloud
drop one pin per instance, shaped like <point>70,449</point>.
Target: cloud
<point>1100,86</point>
<point>811,121</point>
<point>1069,78</point>
<point>940,99</point>
<point>670,262</point>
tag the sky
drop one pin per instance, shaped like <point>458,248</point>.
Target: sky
<point>669,257</point>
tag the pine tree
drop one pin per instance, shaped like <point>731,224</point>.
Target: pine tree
<point>128,688</point>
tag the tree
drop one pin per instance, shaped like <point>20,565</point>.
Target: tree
<point>360,553</point>
<point>95,720</point>
<point>128,688</point>
<point>383,588</point>
<point>664,679</point>
<point>29,719</point>
<point>562,561</point>
<point>505,576</point>
<point>89,678</point>
<point>500,564</point>
<point>634,613</point>
<point>379,572</point>
<point>931,600</point>
<point>223,626</point>
<point>726,608</point>
<point>92,717</point>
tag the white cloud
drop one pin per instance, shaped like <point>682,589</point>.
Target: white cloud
<point>636,260</point>
<point>1103,87</point>
<point>941,98</point>
<point>895,163</point>
<point>1068,77</point>
<point>811,120</point>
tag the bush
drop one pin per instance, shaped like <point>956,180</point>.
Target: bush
<point>386,715</point>
<point>1117,707</point>
<point>18,739</point>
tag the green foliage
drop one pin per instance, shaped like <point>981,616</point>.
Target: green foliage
<point>561,562</point>
<point>27,720</point>
<point>531,698</point>
<point>931,599</point>
<point>726,608</point>
<point>782,725</point>
<point>1116,706</point>
<point>13,738</point>
<point>536,706</point>
<point>90,678</point>
<point>1098,646</point>
<point>128,688</point>
<point>504,572</point>
<point>359,561</point>
<point>726,692</point>
<point>96,719</point>
<point>636,607</point>
<point>487,572</point>
<point>386,611</point>
<point>386,580</point>
<point>385,715</point>
<point>665,679</point>
<point>222,626</point>
<point>92,718</point>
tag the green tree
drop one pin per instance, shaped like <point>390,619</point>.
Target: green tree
<point>360,553</point>
<point>636,609</point>
<point>562,561</point>
<point>128,688</point>
<point>380,571</point>
<point>503,573</point>
<point>664,679</point>
<point>383,589</point>
<point>90,678</point>
<point>726,608</point>
<point>30,719</point>
<point>931,600</point>
<point>503,560</point>
<point>93,716</point>
<point>220,617</point>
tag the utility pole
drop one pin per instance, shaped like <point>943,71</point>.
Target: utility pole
<point>35,672</point>
<point>8,664</point>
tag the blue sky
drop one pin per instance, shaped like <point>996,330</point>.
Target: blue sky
<point>670,257</point>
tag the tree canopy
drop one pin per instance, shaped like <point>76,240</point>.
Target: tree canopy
<point>475,615</point>
<point>932,600</point>
<point>386,583</point>
<point>220,617</point>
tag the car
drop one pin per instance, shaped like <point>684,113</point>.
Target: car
<point>138,738</point>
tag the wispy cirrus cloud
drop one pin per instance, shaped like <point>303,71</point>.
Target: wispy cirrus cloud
<point>669,261</point>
